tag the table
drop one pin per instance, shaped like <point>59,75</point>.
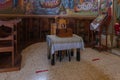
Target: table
<point>56,43</point>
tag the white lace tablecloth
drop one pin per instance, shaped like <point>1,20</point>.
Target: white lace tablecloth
<point>56,43</point>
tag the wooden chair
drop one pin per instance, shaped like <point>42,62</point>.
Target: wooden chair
<point>62,29</point>
<point>8,37</point>
<point>98,42</point>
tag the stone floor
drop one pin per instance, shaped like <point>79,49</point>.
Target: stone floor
<point>94,65</point>
<point>116,51</point>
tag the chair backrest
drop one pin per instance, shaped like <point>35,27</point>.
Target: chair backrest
<point>62,23</point>
<point>7,36</point>
<point>7,28</point>
<point>5,32</point>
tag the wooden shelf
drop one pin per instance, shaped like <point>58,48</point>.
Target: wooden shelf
<point>46,16</point>
<point>6,66</point>
<point>10,59</point>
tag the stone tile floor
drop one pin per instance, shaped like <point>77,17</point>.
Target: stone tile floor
<point>116,51</point>
<point>94,65</point>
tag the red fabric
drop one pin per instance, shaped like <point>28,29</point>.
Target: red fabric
<point>95,59</point>
<point>117,29</point>
<point>41,71</point>
<point>109,11</point>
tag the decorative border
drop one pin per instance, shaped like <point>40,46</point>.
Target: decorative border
<point>55,7</point>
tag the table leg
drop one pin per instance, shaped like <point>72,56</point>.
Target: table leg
<point>69,53</point>
<point>66,52</point>
<point>60,55</point>
<point>72,52</point>
<point>78,55</point>
<point>49,54</point>
<point>53,59</point>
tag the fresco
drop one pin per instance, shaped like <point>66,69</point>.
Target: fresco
<point>50,7</point>
<point>11,6</point>
<point>58,7</point>
<point>89,7</point>
<point>104,5</point>
<point>117,9</point>
<point>5,4</point>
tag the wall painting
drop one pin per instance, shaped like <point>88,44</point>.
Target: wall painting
<point>49,7</point>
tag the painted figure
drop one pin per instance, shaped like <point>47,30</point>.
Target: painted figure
<point>118,9</point>
<point>29,8</point>
<point>15,3</point>
<point>66,3</point>
<point>21,3</point>
<point>81,1</point>
<point>71,4</point>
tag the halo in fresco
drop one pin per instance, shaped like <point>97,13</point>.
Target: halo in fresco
<point>49,3</point>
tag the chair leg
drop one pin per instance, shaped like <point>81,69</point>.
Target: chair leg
<point>78,55</point>
<point>60,55</point>
<point>66,53</point>
<point>13,59</point>
<point>49,54</point>
<point>53,59</point>
<point>69,53</point>
<point>72,52</point>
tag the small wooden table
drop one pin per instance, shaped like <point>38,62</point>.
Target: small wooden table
<point>57,43</point>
